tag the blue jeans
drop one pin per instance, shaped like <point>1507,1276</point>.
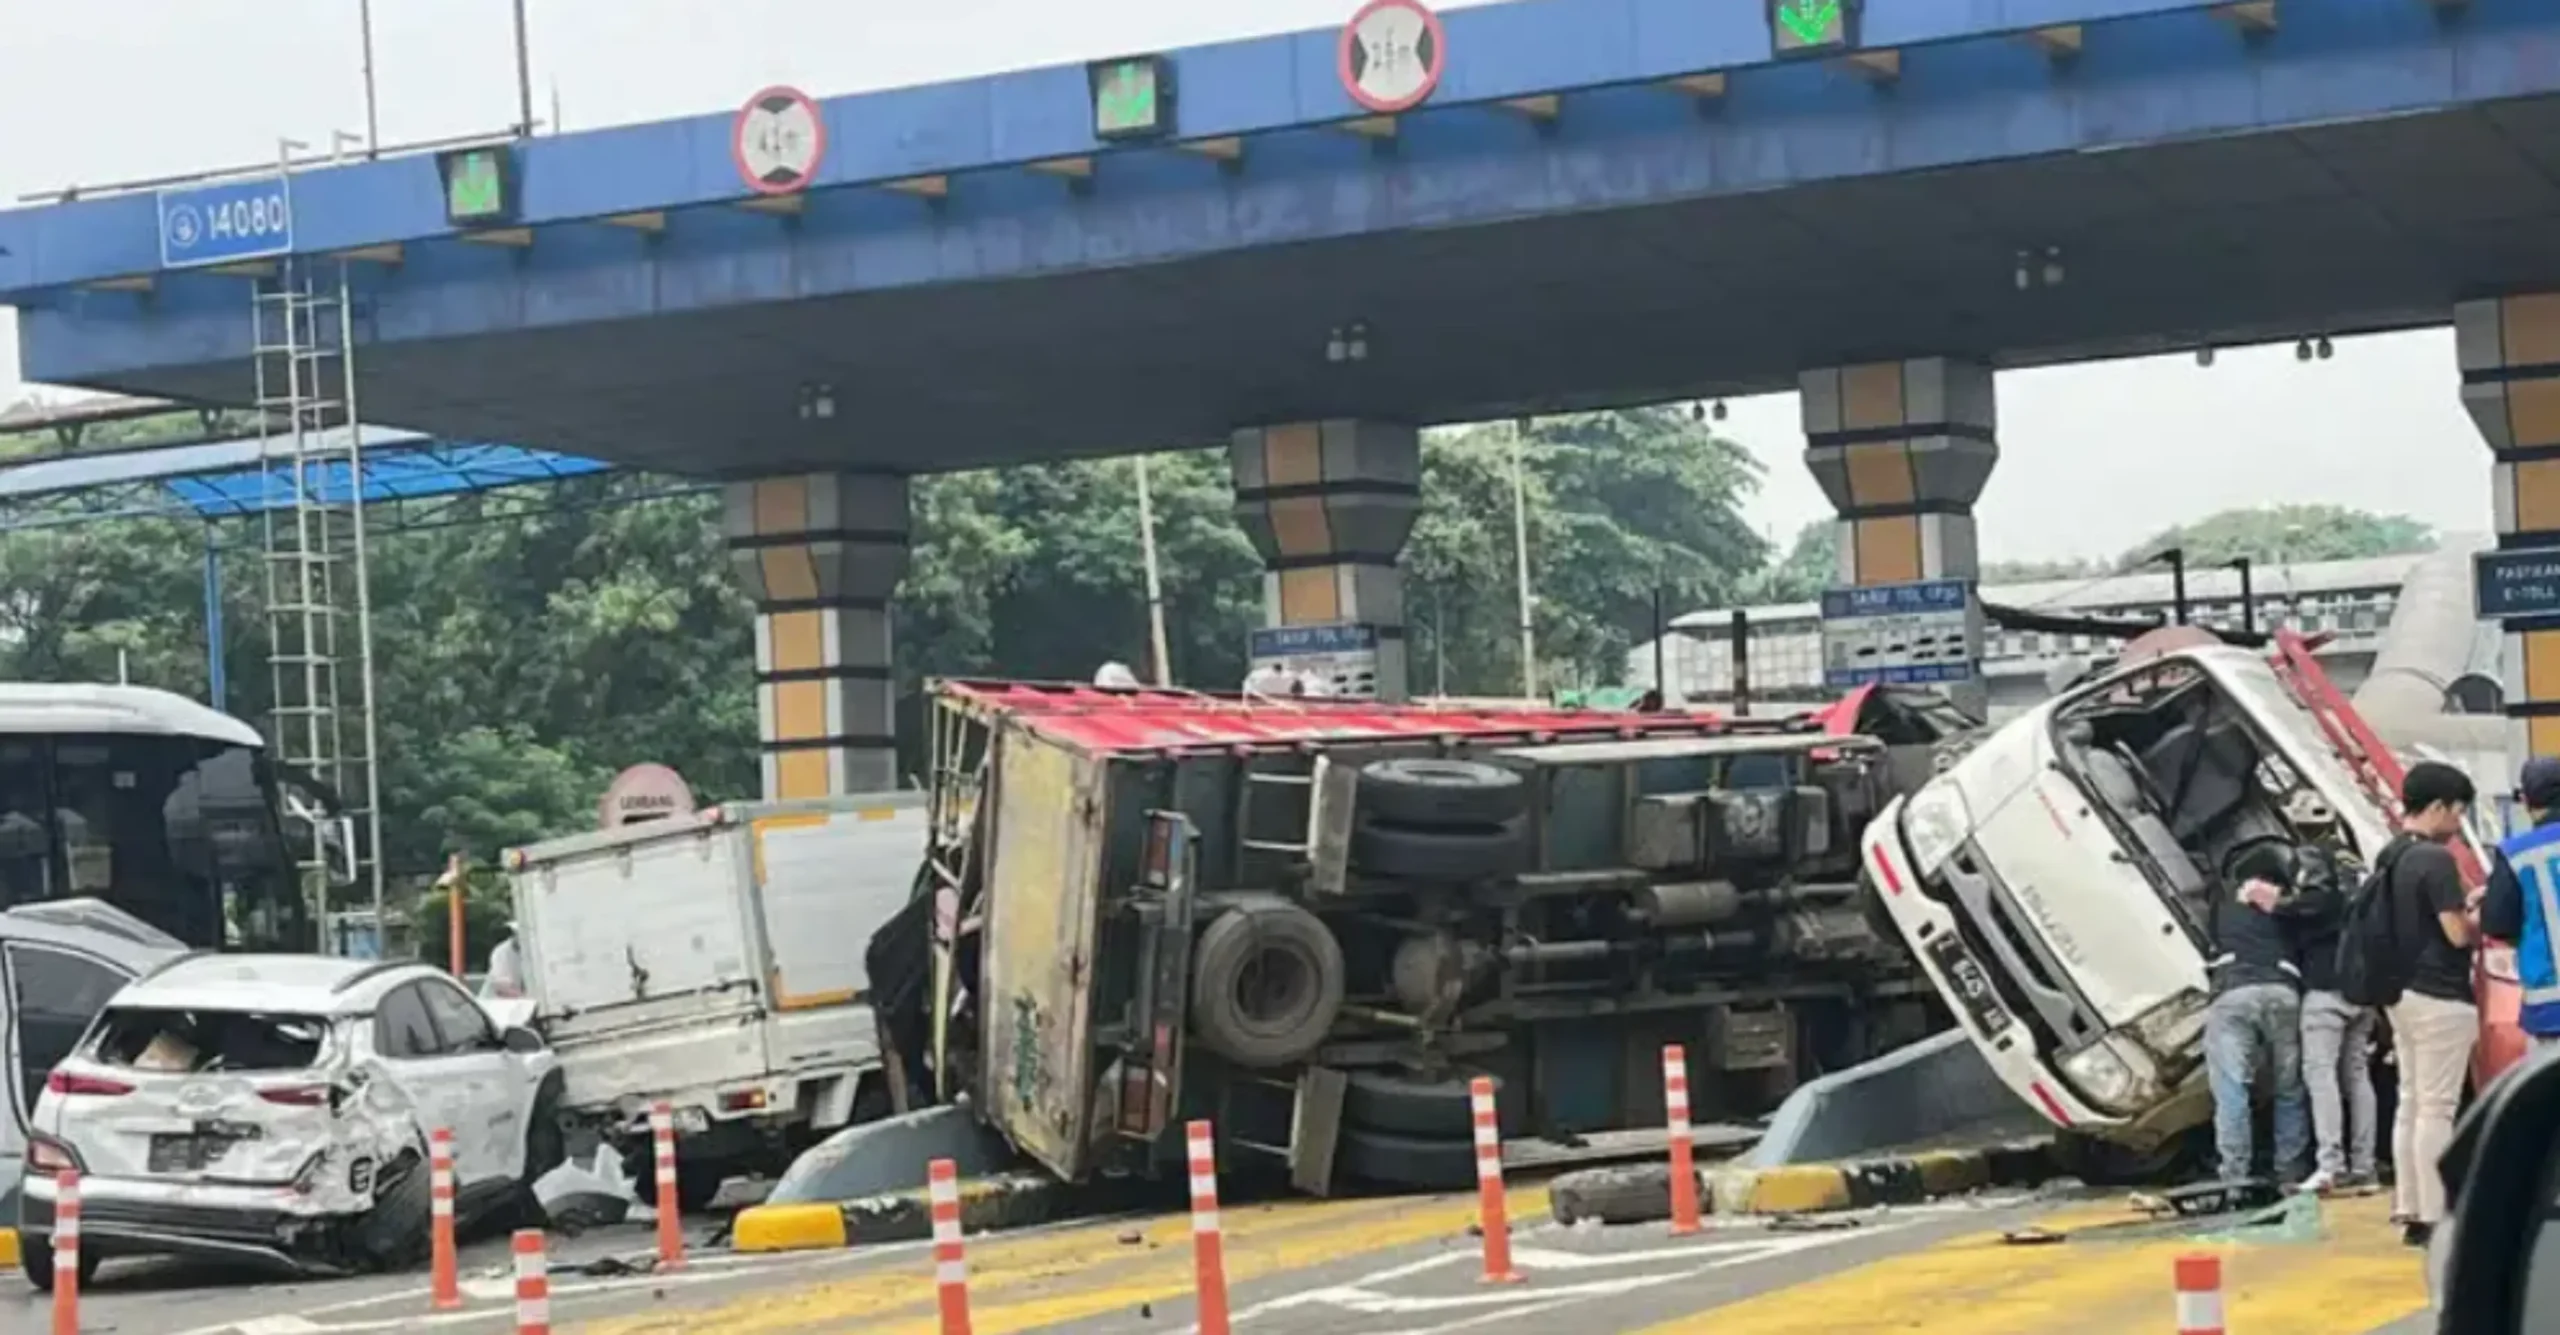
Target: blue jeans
<point>2246,1028</point>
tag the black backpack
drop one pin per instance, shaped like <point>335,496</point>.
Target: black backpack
<point>2371,969</point>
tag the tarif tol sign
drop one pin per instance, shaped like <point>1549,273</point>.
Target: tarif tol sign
<point>226,222</point>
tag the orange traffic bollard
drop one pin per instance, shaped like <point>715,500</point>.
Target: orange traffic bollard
<point>66,1253</point>
<point>1684,1164</point>
<point>1492,1216</point>
<point>445,1278</point>
<point>662,1134</point>
<point>533,1284</point>
<point>1208,1246</point>
<point>950,1264</point>
<point>2199,1295</point>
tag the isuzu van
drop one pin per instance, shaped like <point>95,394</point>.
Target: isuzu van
<point>2054,880</point>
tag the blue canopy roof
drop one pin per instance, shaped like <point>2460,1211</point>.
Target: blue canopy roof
<point>243,477</point>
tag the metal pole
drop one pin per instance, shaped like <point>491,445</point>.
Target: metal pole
<point>1741,663</point>
<point>1520,545</point>
<point>524,77</point>
<point>2248,597</point>
<point>364,587</point>
<point>1439,646</point>
<point>372,122</point>
<point>1155,581</point>
<point>1661,675</point>
<point>2177,559</point>
<point>216,687</point>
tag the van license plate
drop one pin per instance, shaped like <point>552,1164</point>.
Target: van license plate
<point>1972,986</point>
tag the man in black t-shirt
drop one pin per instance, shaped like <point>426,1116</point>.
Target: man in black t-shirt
<point>2435,1022</point>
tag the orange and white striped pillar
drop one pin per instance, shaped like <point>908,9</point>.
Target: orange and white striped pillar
<point>2200,1294</point>
<point>2509,351</point>
<point>1684,1166</point>
<point>1208,1246</point>
<point>1492,1215</point>
<point>533,1284</point>
<point>445,1278</point>
<point>950,1261</point>
<point>1329,505</point>
<point>66,1253</point>
<point>662,1136</point>
<point>1904,449</point>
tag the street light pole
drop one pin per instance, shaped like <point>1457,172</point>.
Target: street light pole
<point>524,77</point>
<point>1520,547</point>
<point>2248,597</point>
<point>372,118</point>
<point>1155,581</point>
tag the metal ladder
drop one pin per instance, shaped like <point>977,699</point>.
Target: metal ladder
<point>319,607</point>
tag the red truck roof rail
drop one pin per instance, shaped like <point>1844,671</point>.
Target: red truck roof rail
<point>2366,756</point>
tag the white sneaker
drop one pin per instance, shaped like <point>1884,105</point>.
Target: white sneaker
<point>2320,1183</point>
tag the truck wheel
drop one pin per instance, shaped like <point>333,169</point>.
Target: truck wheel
<point>1460,853</point>
<point>1266,983</point>
<point>393,1234</point>
<point>697,1185</point>
<point>35,1261</point>
<point>1424,791</point>
<point>1409,1105</point>
<point>1428,1163</point>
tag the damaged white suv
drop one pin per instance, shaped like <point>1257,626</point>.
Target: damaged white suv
<point>275,1109</point>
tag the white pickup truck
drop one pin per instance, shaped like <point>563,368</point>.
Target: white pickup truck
<point>715,961</point>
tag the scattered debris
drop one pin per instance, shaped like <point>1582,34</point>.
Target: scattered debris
<point>2033,1236</point>
<point>1815,1223</point>
<point>1147,1311</point>
<point>1132,1238</point>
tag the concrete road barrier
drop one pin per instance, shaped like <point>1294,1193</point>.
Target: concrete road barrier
<point>1642,1194</point>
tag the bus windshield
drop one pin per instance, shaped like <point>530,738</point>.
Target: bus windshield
<point>182,832</point>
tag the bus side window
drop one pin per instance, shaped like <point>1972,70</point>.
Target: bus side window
<point>26,819</point>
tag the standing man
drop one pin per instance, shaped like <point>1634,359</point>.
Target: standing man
<point>2255,1019</point>
<point>2337,1034</point>
<point>2522,905</point>
<point>2435,1022</point>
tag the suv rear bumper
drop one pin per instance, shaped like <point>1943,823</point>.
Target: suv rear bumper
<point>126,1218</point>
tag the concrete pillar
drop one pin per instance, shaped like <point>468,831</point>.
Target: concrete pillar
<point>1329,505</point>
<point>2509,351</point>
<point>1903,450</point>
<point>820,553</point>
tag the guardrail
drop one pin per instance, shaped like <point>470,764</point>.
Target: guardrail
<point>283,162</point>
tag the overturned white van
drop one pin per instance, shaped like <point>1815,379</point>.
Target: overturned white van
<point>2053,881</point>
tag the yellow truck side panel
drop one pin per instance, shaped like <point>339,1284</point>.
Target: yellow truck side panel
<point>1040,917</point>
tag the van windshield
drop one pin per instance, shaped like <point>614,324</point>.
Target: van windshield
<point>179,831</point>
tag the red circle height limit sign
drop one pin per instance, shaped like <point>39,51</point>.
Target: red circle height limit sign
<point>778,140</point>
<point>1391,55</point>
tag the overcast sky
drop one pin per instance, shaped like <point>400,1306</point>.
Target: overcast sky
<point>2093,457</point>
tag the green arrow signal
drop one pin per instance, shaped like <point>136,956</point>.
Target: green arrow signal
<point>1811,21</point>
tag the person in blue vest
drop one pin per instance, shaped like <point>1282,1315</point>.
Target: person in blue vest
<point>2522,902</point>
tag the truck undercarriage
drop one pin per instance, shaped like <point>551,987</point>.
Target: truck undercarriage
<point>1314,921</point>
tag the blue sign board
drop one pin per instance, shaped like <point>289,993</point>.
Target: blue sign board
<point>1916,634</point>
<point>2508,586</point>
<point>226,222</point>
<point>1348,637</point>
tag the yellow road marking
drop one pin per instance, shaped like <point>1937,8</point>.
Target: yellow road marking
<point>2358,1278</point>
<point>1024,1282</point>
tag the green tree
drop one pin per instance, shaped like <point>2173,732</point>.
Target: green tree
<point>1811,564</point>
<point>2272,534</point>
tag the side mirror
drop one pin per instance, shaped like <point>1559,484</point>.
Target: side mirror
<point>2495,1268</point>
<point>341,838</point>
<point>522,1041</point>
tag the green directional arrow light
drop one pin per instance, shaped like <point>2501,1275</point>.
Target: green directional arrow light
<point>475,187</point>
<point>1130,98</point>
<point>1808,25</point>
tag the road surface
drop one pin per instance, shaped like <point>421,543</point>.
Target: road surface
<point>1403,1266</point>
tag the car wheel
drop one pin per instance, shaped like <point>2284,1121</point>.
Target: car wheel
<point>1426,1163</point>
<point>1433,792</point>
<point>392,1235</point>
<point>1451,853</point>
<point>35,1261</point>
<point>1266,983</point>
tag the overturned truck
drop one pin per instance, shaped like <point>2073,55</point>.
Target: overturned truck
<point>1314,922</point>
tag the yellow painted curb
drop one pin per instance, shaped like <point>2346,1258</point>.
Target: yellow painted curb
<point>8,1246</point>
<point>788,1228</point>
<point>1950,1172</point>
<point>1797,1190</point>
